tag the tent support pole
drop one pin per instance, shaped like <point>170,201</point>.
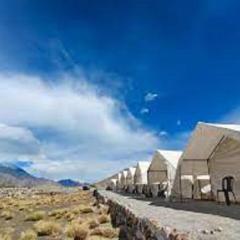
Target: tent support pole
<point>180,183</point>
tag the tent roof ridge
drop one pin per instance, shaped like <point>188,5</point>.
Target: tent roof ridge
<point>233,127</point>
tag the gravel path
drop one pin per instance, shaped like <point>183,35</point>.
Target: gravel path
<point>199,219</point>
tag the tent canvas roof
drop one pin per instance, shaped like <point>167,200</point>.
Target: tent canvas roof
<point>131,171</point>
<point>119,176</point>
<point>113,180</point>
<point>140,176</point>
<point>143,166</point>
<point>171,156</point>
<point>124,174</point>
<point>233,127</point>
<point>206,137</point>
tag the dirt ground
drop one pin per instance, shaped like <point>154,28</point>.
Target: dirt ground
<point>72,215</point>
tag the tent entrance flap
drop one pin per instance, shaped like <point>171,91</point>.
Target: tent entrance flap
<point>193,168</point>
<point>226,162</point>
<point>157,176</point>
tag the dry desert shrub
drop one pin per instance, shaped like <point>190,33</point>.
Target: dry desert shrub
<point>78,220</point>
<point>110,233</point>
<point>105,232</point>
<point>35,216</point>
<point>47,228</point>
<point>58,213</point>
<point>15,205</point>
<point>96,232</point>
<point>87,210</point>
<point>21,208</point>
<point>5,236</point>
<point>93,224</point>
<point>7,215</point>
<point>59,216</point>
<point>10,203</point>
<point>69,216</point>
<point>103,219</point>
<point>28,235</point>
<point>104,209</point>
<point>95,203</point>
<point>77,231</point>
<point>77,210</point>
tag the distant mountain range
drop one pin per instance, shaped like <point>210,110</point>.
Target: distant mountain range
<point>14,176</point>
<point>69,183</point>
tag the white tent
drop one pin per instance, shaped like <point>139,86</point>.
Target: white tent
<point>113,184</point>
<point>106,182</point>
<point>118,183</point>
<point>130,178</point>
<point>162,170</point>
<point>212,153</point>
<point>123,178</point>
<point>140,176</point>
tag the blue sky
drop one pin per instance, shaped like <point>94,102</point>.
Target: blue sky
<point>155,67</point>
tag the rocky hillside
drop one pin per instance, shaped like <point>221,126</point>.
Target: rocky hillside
<point>13,176</point>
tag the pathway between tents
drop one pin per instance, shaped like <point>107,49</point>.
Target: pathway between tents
<point>197,218</point>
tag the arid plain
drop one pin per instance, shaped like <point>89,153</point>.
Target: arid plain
<point>28,214</point>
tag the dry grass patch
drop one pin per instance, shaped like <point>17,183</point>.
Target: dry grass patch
<point>69,216</point>
<point>5,236</point>
<point>47,228</point>
<point>105,209</point>
<point>78,220</point>
<point>28,235</point>
<point>105,232</point>
<point>77,231</point>
<point>10,203</point>
<point>103,219</point>
<point>21,208</point>
<point>2,206</point>
<point>35,216</point>
<point>77,210</point>
<point>7,215</point>
<point>93,224</point>
<point>15,204</point>
<point>86,210</point>
<point>58,213</point>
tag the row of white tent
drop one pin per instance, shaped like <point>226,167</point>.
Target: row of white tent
<point>148,177</point>
<point>213,152</point>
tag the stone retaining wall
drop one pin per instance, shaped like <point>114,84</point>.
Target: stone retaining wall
<point>133,227</point>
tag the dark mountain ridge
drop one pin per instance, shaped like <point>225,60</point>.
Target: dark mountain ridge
<point>69,183</point>
<point>14,176</point>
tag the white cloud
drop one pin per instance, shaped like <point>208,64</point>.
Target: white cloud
<point>232,117</point>
<point>176,141</point>
<point>150,97</point>
<point>179,122</point>
<point>17,142</point>
<point>16,134</point>
<point>144,111</point>
<point>163,133</point>
<point>79,130</point>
